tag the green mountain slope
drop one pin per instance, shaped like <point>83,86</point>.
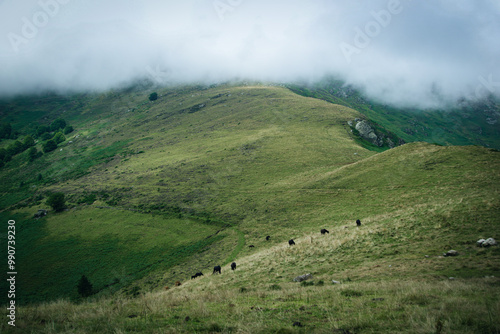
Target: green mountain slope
<point>470,122</point>
<point>202,155</point>
<point>159,190</point>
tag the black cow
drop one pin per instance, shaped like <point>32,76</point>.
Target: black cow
<point>291,242</point>
<point>324,230</point>
<point>267,238</point>
<point>217,269</point>
<point>233,266</point>
<point>358,222</point>
<point>251,246</point>
<point>197,275</point>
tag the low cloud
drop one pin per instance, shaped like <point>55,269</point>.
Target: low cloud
<point>406,52</point>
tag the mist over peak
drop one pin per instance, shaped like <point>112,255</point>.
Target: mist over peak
<point>403,52</point>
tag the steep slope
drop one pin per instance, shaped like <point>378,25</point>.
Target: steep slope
<point>195,156</point>
<point>415,202</point>
<point>231,139</point>
<point>159,190</point>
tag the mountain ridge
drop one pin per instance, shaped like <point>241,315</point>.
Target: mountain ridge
<point>468,122</point>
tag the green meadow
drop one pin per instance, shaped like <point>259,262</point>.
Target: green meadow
<point>112,247</point>
<point>159,190</point>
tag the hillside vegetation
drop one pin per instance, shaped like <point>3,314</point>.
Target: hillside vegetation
<point>194,156</point>
<point>159,190</point>
<point>467,122</point>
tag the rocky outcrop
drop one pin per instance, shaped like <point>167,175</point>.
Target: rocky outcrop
<point>196,108</point>
<point>368,133</point>
<point>373,135</point>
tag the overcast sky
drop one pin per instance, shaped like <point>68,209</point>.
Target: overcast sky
<point>405,52</point>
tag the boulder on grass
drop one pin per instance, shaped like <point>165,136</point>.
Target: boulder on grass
<point>486,243</point>
<point>41,213</point>
<point>302,278</point>
<point>451,253</point>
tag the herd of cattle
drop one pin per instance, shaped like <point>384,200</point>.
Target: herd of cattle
<point>218,269</point>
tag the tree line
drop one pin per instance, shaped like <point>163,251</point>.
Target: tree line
<point>51,136</point>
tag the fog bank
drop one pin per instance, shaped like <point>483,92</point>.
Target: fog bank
<point>405,52</point>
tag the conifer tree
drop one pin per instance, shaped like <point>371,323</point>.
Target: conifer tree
<point>84,287</point>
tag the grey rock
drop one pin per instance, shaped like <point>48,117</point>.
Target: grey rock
<point>302,278</point>
<point>390,143</point>
<point>367,132</point>
<point>41,213</point>
<point>491,121</point>
<point>451,253</point>
<point>489,242</point>
<point>486,243</point>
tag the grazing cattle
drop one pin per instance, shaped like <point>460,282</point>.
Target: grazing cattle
<point>267,238</point>
<point>177,283</point>
<point>291,242</point>
<point>358,222</point>
<point>251,246</point>
<point>217,269</point>
<point>197,275</point>
<point>324,230</point>
<point>233,266</point>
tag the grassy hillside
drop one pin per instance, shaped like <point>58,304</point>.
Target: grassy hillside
<point>393,275</point>
<point>160,190</point>
<point>111,247</point>
<point>197,157</point>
